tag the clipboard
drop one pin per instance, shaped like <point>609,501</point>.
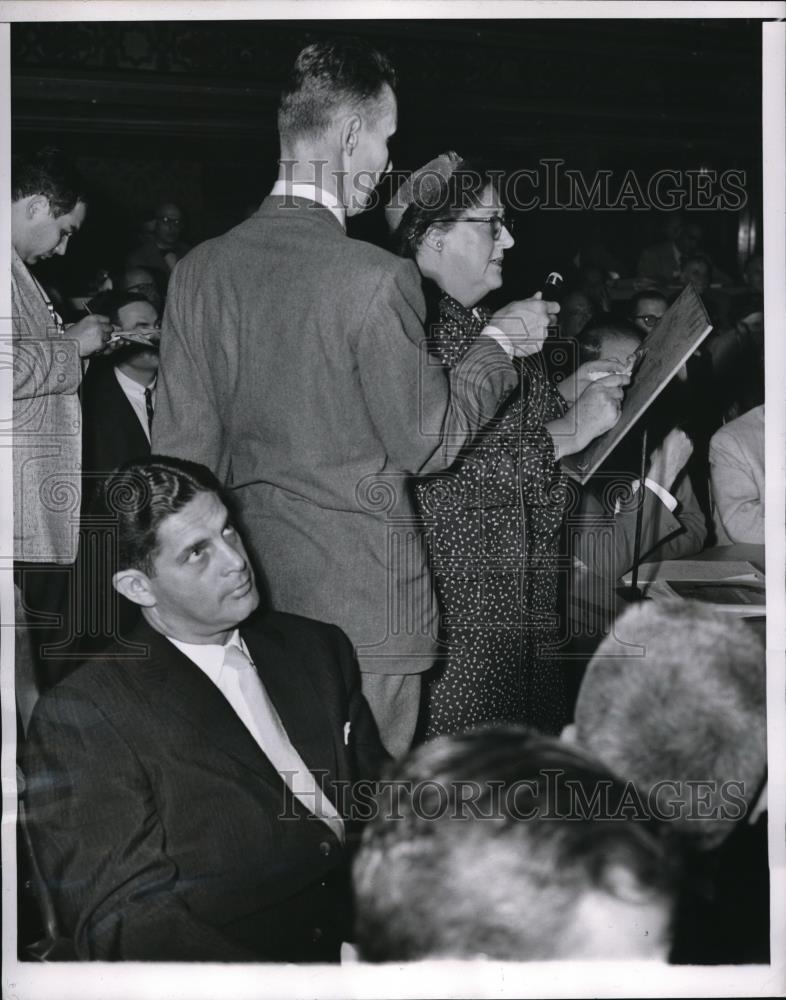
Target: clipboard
<point>683,327</point>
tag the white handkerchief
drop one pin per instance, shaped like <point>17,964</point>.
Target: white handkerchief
<point>347,730</point>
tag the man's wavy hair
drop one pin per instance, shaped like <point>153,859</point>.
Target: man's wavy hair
<point>328,75</point>
<point>141,494</point>
<point>48,172</point>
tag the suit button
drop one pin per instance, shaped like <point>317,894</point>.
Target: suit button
<point>316,934</point>
<point>324,848</point>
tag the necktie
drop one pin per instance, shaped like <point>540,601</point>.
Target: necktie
<point>149,408</point>
<point>271,736</point>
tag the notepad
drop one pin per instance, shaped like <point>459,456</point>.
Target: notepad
<point>695,570</point>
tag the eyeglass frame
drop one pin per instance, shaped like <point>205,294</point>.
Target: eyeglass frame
<point>150,286</point>
<point>495,221</point>
<point>649,319</point>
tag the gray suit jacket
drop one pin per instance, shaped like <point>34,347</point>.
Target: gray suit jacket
<point>47,441</point>
<point>293,363</point>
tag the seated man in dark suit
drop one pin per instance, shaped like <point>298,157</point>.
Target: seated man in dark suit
<point>185,797</point>
<point>118,396</point>
<point>119,391</point>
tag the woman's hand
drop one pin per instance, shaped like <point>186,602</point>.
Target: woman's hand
<point>596,411</point>
<point>573,386</point>
<point>525,323</point>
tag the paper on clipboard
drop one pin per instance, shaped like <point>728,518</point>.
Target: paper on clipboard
<point>682,329</point>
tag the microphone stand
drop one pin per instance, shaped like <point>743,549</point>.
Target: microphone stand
<point>634,592</point>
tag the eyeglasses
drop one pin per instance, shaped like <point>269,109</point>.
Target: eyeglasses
<point>648,319</point>
<point>170,220</point>
<point>497,223</point>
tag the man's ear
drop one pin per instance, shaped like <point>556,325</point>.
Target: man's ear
<point>38,206</point>
<point>350,133</point>
<point>568,734</point>
<point>134,585</point>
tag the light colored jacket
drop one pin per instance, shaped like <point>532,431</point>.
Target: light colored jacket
<point>737,476</point>
<point>47,428</point>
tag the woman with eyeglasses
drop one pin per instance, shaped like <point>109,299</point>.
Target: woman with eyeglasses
<point>493,521</point>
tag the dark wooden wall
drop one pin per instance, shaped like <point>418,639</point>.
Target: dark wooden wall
<point>187,110</point>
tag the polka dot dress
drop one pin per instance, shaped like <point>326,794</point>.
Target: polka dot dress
<point>493,528</point>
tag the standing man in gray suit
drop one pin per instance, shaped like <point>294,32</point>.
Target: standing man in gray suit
<point>294,366</point>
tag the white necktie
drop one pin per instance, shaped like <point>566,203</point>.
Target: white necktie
<point>271,736</point>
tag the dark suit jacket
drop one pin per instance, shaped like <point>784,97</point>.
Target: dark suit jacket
<point>157,820</point>
<point>605,543</point>
<point>111,432</point>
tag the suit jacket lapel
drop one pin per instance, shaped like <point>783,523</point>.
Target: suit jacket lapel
<point>128,421</point>
<point>31,305</point>
<point>297,702</point>
<point>185,690</point>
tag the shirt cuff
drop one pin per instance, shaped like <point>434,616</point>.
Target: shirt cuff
<point>501,338</point>
<point>668,501</point>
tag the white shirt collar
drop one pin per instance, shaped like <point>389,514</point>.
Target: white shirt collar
<point>131,385</point>
<point>209,657</point>
<point>301,189</point>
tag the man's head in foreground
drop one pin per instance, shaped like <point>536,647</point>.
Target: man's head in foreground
<point>675,701</point>
<point>180,557</point>
<point>504,844</point>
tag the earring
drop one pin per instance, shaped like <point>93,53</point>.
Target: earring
<point>438,244</point>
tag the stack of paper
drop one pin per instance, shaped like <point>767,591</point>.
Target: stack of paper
<point>731,587</point>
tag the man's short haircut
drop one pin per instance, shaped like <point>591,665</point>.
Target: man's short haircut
<point>110,302</point>
<point>485,848</point>
<point>328,75</point>
<point>50,173</point>
<point>141,494</point>
<point>594,335</point>
<point>688,707</point>
<point>653,295</point>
